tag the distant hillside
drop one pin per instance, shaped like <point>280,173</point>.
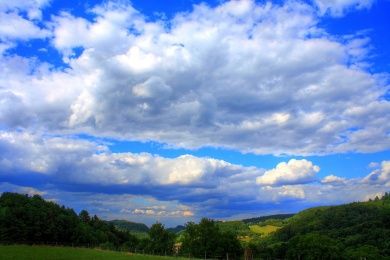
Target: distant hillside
<point>264,218</point>
<point>359,230</point>
<point>176,229</point>
<point>129,226</point>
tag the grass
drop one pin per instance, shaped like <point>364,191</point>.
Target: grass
<point>263,230</point>
<point>61,253</point>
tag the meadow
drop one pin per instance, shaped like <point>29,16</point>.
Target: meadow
<point>263,230</point>
<point>36,252</point>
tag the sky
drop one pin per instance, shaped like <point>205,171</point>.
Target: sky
<point>175,110</point>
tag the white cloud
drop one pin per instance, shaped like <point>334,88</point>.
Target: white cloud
<point>166,188</point>
<point>200,182</point>
<point>106,34</point>
<point>340,7</point>
<point>333,180</point>
<point>292,172</point>
<point>158,212</point>
<point>373,165</point>
<point>292,192</point>
<point>381,175</point>
<point>15,26</point>
<point>81,161</point>
<point>240,75</point>
<point>32,7</point>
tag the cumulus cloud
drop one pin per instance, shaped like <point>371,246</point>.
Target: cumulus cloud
<point>340,7</point>
<point>333,180</point>
<point>32,7</point>
<point>374,195</point>
<point>85,174</point>
<point>239,75</point>
<point>71,164</point>
<point>292,172</point>
<point>381,175</point>
<point>107,34</point>
<point>292,192</point>
<point>14,25</point>
<point>79,161</point>
<point>160,211</point>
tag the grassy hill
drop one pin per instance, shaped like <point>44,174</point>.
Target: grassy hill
<point>263,230</point>
<point>129,226</point>
<point>248,232</point>
<point>359,230</point>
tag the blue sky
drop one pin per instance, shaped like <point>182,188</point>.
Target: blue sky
<point>174,110</point>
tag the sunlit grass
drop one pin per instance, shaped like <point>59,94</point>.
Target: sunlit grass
<point>263,230</point>
<point>59,253</point>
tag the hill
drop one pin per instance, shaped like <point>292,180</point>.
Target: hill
<point>129,226</point>
<point>176,229</point>
<point>263,218</point>
<point>359,230</point>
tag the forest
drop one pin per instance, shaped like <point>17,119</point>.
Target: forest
<point>359,230</point>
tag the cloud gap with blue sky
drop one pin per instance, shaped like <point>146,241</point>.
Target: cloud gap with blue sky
<point>174,110</point>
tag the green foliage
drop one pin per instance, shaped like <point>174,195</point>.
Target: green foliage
<point>32,220</point>
<point>313,246</point>
<point>237,227</point>
<point>207,240</point>
<point>84,216</point>
<point>353,231</point>
<point>363,252</point>
<point>161,240</point>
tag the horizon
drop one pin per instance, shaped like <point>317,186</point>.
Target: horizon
<point>171,111</point>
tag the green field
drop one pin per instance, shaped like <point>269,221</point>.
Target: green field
<point>263,230</point>
<point>50,252</point>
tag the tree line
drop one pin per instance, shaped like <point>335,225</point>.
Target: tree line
<point>32,220</point>
<point>358,230</point>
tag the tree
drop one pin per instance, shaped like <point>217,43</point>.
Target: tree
<point>25,219</point>
<point>364,252</point>
<point>207,240</point>
<point>313,246</point>
<point>84,216</point>
<point>161,240</point>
